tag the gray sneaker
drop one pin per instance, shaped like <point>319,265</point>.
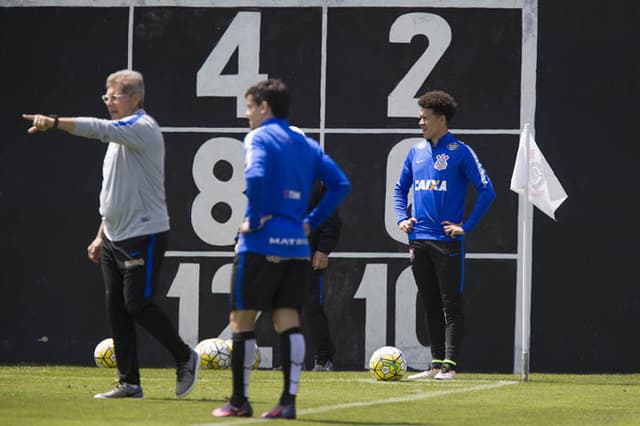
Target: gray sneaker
<point>187,374</point>
<point>122,390</point>
<point>326,366</point>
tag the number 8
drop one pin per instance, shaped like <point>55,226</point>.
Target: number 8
<point>218,191</point>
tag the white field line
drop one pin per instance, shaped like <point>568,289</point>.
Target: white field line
<point>415,397</point>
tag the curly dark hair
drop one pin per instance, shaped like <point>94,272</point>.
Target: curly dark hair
<point>275,92</point>
<point>440,102</point>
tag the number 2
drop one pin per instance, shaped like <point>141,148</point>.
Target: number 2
<point>401,101</point>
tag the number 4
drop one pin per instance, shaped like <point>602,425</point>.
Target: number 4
<point>244,35</point>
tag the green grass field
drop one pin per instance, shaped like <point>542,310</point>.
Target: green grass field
<point>55,395</point>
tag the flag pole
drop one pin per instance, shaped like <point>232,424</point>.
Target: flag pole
<point>525,207</point>
<point>526,251</point>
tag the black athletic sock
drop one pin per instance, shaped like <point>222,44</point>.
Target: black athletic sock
<point>243,346</point>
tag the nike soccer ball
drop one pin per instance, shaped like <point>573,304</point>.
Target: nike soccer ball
<point>104,354</point>
<point>256,363</point>
<point>388,363</point>
<point>214,354</point>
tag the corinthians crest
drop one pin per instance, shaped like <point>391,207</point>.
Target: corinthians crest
<point>441,162</point>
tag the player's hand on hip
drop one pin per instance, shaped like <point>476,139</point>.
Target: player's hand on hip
<point>407,225</point>
<point>244,227</point>
<point>40,123</point>
<point>95,250</point>
<point>452,229</point>
<point>320,261</point>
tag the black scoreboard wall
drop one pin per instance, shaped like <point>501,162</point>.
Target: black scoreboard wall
<point>354,69</point>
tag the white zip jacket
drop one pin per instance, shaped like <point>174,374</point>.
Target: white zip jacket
<point>132,200</point>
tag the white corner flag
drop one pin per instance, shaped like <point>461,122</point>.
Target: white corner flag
<point>538,180</point>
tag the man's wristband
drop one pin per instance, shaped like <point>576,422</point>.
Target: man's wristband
<point>55,120</point>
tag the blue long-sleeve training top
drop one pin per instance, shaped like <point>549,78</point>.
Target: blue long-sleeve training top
<point>439,177</point>
<point>281,165</point>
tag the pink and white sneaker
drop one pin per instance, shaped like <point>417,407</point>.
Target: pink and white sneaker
<point>445,374</point>
<point>430,373</point>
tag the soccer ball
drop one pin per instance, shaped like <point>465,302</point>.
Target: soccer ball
<point>104,354</point>
<point>256,363</point>
<point>214,354</point>
<point>388,363</point>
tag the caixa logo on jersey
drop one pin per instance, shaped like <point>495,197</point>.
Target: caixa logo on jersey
<point>430,185</point>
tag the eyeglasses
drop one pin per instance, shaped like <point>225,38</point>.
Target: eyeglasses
<point>113,98</point>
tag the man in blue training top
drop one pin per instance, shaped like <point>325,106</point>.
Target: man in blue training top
<point>271,266</point>
<point>439,170</point>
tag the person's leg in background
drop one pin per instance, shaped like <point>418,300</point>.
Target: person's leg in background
<point>316,324</point>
